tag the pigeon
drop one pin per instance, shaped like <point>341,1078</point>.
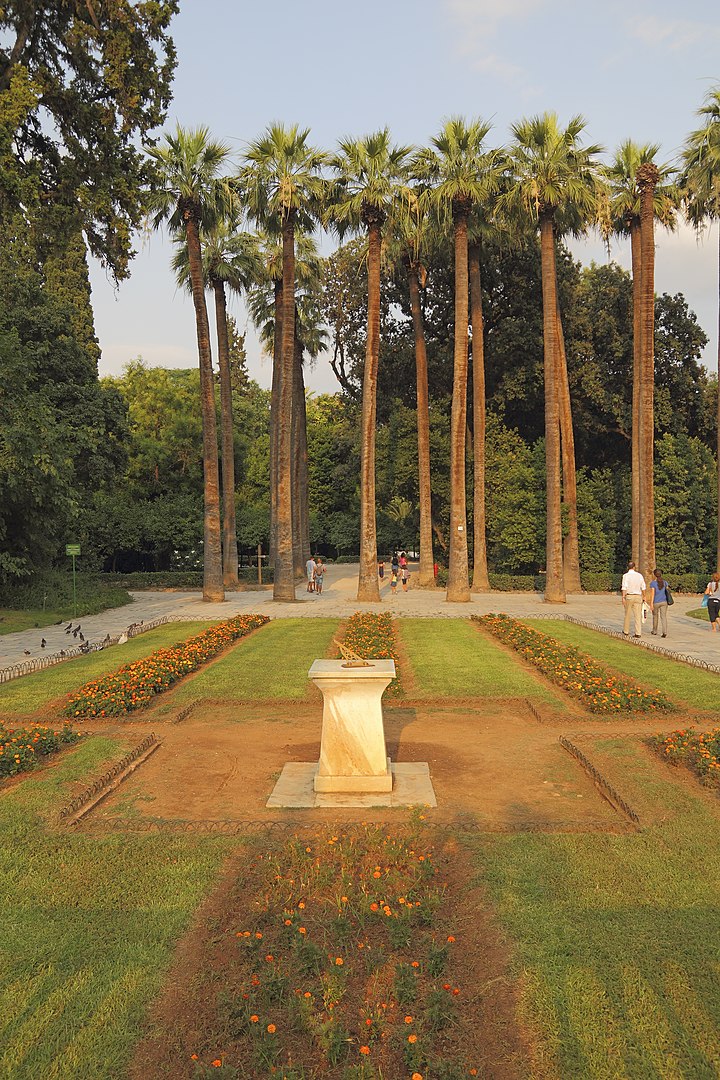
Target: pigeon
<point>68,628</point>
<point>75,631</point>
<point>63,653</point>
<point>43,643</point>
<point>106,639</point>
<point>28,653</point>
<point>82,637</point>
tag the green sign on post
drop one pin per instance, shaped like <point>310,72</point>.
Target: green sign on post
<point>73,550</point>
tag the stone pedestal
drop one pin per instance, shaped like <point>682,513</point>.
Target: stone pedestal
<point>353,757</point>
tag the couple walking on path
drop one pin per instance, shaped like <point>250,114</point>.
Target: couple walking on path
<point>635,594</point>
<point>315,569</point>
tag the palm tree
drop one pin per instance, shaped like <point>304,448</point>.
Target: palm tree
<point>371,178</point>
<point>624,219</point>
<point>190,195</point>
<point>460,174</point>
<point>282,185</point>
<point>230,257</point>
<point>413,236</point>
<point>701,192</point>
<point>554,187</point>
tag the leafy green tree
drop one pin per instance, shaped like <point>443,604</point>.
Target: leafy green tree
<point>192,196</point>
<point>371,177</point>
<point>685,500</point>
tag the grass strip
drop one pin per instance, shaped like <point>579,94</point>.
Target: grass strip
<point>683,683</point>
<point>89,924</point>
<point>271,666</point>
<point>600,690</point>
<point>30,693</point>
<point>135,685</point>
<point>616,939</point>
<point>450,659</point>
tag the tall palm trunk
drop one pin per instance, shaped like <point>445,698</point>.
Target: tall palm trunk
<point>458,587</point>
<point>274,413</point>
<point>717,564</point>
<point>368,589</point>
<point>554,578</point>
<point>213,590</point>
<point>647,178</point>
<point>284,583</point>
<point>426,573</point>
<point>230,548</point>
<point>637,353</point>
<point>301,534</point>
<point>571,541</point>
<point>480,581</point>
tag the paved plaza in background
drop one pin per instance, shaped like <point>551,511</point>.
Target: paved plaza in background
<point>338,600</point>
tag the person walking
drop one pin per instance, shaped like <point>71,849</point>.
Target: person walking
<point>404,577</point>
<point>393,582</point>
<point>713,594</point>
<point>633,593</point>
<point>381,569</point>
<point>319,574</point>
<point>658,597</point>
<point>310,566</point>
<point>395,564</point>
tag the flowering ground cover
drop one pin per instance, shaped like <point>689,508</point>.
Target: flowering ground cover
<point>372,636</point>
<point>24,748</point>
<point>700,751</point>
<point>342,957</point>
<point>599,689</point>
<point>134,685</point>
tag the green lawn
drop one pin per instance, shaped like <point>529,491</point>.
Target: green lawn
<point>699,613</point>
<point>31,692</point>
<point>271,665</point>
<point>617,939</point>
<point>89,924</point>
<point>12,621</point>
<point>450,658</point>
<point>683,683</point>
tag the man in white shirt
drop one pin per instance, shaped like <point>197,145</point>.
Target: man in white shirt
<point>633,593</point>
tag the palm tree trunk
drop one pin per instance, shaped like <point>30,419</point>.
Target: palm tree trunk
<point>230,548</point>
<point>637,353</point>
<point>571,541</point>
<point>647,177</point>
<point>480,581</point>
<point>368,589</point>
<point>717,564</point>
<point>458,586</point>
<point>213,591</point>
<point>554,579</point>
<point>274,412</point>
<point>426,573</point>
<point>284,582</point>
<point>301,543</point>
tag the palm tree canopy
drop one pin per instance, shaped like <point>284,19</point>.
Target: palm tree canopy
<point>281,177</point>
<point>623,207</point>
<point>371,176</point>
<point>188,180</point>
<point>701,175</point>
<point>459,172</point>
<point>228,255</point>
<point>552,174</point>
<point>308,276</point>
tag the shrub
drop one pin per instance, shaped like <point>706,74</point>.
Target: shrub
<point>53,590</point>
<point>699,751</point>
<point>600,581</point>
<point>23,748</point>
<point>181,579</point>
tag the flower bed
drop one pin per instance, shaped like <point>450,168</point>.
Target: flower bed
<point>344,965</point>
<point>23,748</point>
<point>135,685</point>
<point>700,751</point>
<point>600,690</point>
<point>373,637</point>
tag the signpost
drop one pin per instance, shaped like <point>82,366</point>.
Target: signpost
<point>73,550</point>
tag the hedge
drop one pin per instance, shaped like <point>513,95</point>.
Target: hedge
<point>181,579</point>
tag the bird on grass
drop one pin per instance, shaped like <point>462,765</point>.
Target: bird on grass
<point>82,637</point>
<point>43,643</point>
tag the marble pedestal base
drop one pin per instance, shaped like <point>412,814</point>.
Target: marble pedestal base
<point>295,789</point>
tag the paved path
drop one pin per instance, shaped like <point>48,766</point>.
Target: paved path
<point>338,600</point>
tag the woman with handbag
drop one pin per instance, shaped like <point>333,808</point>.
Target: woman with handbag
<point>660,599</point>
<point>713,604</point>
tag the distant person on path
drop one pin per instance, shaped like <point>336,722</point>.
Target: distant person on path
<point>633,593</point>
<point>393,582</point>
<point>319,574</point>
<point>713,594</point>
<point>403,560</point>
<point>310,567</point>
<point>381,569</point>
<point>659,602</point>
<point>404,577</point>
<point>395,564</point>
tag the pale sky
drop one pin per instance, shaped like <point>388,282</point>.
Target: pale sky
<point>636,70</point>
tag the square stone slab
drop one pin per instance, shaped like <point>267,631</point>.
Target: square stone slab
<point>412,786</point>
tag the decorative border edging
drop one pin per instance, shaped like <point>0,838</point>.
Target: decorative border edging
<point>607,789</point>
<point>184,713</point>
<point>88,799</point>
<point>639,643</point>
<point>39,663</point>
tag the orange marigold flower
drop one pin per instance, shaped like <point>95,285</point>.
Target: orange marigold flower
<point>254,1019</point>
<point>271,1029</point>
<point>217,1063</point>
<point>451,939</point>
<point>417,1076</point>
<point>258,935</point>
<point>412,1038</point>
<point>364,1049</point>
<point>408,1019</point>
<point>302,930</point>
<point>376,873</point>
<point>269,958</point>
<point>307,994</point>
<point>415,964</point>
<point>339,961</point>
